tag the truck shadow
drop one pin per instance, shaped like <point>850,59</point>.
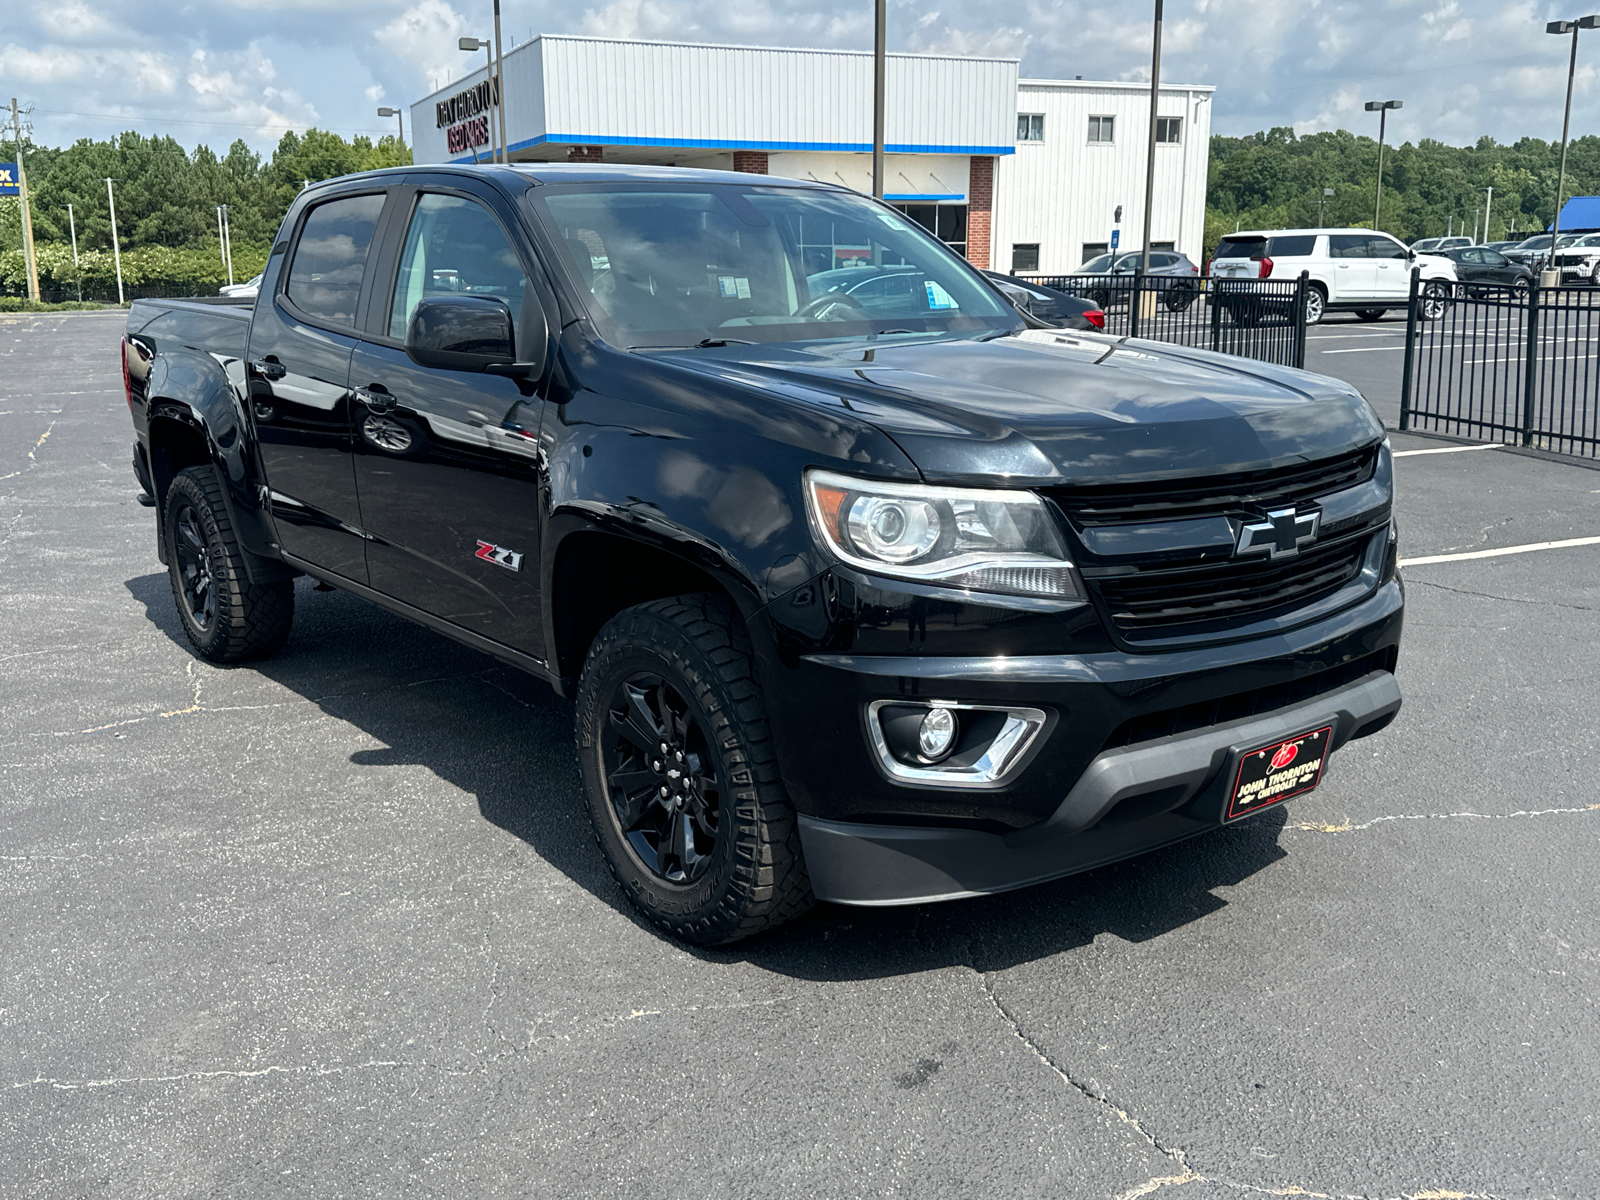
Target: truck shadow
<point>505,739</point>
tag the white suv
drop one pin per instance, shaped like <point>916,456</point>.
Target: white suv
<point>1357,270</point>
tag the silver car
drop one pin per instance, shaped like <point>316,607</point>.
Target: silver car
<point>1180,282</point>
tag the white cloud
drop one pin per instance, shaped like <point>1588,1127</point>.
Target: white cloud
<point>72,19</point>
<point>49,64</point>
<point>237,89</point>
<point>425,36</point>
<point>374,93</point>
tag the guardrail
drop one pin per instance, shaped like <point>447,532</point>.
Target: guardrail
<point>1263,319</point>
<point>1507,364</point>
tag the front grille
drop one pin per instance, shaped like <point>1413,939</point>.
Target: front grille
<point>1178,499</point>
<point>1238,707</point>
<point>1174,602</point>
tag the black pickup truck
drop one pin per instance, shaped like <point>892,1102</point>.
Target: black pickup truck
<point>866,588</point>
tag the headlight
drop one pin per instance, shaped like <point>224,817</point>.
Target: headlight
<point>980,540</point>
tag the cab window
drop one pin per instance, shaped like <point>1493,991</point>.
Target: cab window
<point>330,257</point>
<point>454,247</point>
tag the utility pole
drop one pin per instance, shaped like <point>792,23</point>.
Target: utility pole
<point>1150,166</point>
<point>116,244</point>
<point>222,242</point>
<point>498,87</point>
<point>879,63</point>
<point>72,224</point>
<point>1322,200</point>
<point>1488,204</point>
<point>27,216</point>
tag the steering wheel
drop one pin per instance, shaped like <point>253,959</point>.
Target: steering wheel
<point>830,300</point>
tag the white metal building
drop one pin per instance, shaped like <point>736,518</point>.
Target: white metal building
<point>807,114</point>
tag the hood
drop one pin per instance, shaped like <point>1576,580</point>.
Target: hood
<point>1436,262</point>
<point>1044,407</point>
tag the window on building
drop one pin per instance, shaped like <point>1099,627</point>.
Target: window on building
<point>1024,257</point>
<point>1030,127</point>
<point>1094,250</point>
<point>1102,129</point>
<point>947,222</point>
<point>1169,130</point>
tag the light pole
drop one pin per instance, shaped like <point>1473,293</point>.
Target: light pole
<point>1488,204</point>
<point>880,26</point>
<point>1381,107</point>
<point>1321,200</point>
<point>1150,164</point>
<point>469,44</point>
<point>400,121</point>
<point>1562,27</point>
<point>498,88</point>
<point>72,224</point>
<point>116,244</point>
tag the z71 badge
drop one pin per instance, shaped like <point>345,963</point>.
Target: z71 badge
<point>500,556</point>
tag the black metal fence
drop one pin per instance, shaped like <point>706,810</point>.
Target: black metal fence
<point>1263,319</point>
<point>1506,364</point>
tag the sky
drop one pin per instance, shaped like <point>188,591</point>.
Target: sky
<point>252,69</point>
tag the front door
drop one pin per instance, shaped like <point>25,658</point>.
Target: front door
<point>1392,263</point>
<point>300,345</point>
<point>1353,272</point>
<point>448,462</point>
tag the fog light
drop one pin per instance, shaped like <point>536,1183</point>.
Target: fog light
<point>937,734</point>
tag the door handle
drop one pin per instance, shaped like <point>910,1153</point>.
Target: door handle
<point>376,397</point>
<point>269,368</point>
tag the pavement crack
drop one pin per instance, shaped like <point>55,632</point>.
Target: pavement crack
<point>312,1070</point>
<point>1491,596</point>
<point>1347,826</point>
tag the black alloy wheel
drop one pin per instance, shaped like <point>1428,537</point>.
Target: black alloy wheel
<point>661,779</point>
<point>195,586</point>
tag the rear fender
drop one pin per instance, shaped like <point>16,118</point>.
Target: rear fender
<point>197,395</point>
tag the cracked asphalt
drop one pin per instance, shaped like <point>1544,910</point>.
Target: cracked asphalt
<point>334,924</point>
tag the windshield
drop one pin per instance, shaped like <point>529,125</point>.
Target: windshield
<point>1535,243</point>
<point>668,266</point>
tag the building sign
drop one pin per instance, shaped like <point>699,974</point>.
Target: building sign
<point>8,180</point>
<point>463,105</point>
<point>467,136</point>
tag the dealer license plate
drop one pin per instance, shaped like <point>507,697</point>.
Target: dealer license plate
<point>1271,774</point>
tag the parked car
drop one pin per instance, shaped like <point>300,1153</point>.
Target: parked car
<point>1501,247</point>
<point>1353,270</point>
<point>1580,260</point>
<point>1438,245</point>
<point>1479,264</point>
<point>1535,251</point>
<point>247,290</point>
<point>1177,278</point>
<point>876,598</point>
<point>1048,304</point>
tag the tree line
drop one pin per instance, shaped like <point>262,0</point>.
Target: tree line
<point>1274,180</point>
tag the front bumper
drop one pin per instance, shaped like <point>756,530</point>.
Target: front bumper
<point>1130,800</point>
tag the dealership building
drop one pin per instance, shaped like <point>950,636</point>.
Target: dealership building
<point>1021,175</point>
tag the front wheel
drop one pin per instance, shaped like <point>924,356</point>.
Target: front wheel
<point>1435,301</point>
<point>680,774</point>
<point>227,617</point>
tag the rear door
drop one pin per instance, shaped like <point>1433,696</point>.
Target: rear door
<point>1354,273</point>
<point>448,462</point>
<point>300,345</point>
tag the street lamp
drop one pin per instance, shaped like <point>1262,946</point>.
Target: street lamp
<point>1150,165</point>
<point>400,121</point>
<point>1562,27</point>
<point>1381,107</point>
<point>469,44</point>
<point>1321,200</point>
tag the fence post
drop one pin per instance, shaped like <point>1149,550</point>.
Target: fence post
<point>1530,368</point>
<point>1212,290</point>
<point>1133,307</point>
<point>1411,351</point>
<point>1301,292</point>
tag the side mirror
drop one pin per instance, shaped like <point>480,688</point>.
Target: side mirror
<point>1410,254</point>
<point>461,333</point>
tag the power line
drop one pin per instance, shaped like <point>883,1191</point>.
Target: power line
<point>299,126</point>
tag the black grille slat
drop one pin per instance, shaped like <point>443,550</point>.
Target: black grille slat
<point>1176,599</point>
<point>1180,499</point>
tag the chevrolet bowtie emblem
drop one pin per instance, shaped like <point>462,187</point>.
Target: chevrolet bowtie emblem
<point>1279,536</point>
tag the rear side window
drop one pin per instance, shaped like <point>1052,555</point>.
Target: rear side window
<point>325,276</point>
<point>1298,246</point>
<point>1347,245</point>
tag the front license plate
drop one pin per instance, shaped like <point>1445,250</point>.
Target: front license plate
<point>1269,775</point>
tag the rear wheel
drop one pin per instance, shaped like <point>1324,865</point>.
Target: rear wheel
<point>680,774</point>
<point>227,617</point>
<point>1370,314</point>
<point>1316,304</point>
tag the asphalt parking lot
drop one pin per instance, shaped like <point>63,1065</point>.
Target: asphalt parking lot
<point>334,924</point>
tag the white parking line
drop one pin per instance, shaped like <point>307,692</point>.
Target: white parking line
<point>1503,550</point>
<point>1449,450</point>
<point>1360,349</point>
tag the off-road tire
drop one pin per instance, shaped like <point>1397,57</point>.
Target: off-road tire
<point>248,620</point>
<point>757,877</point>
